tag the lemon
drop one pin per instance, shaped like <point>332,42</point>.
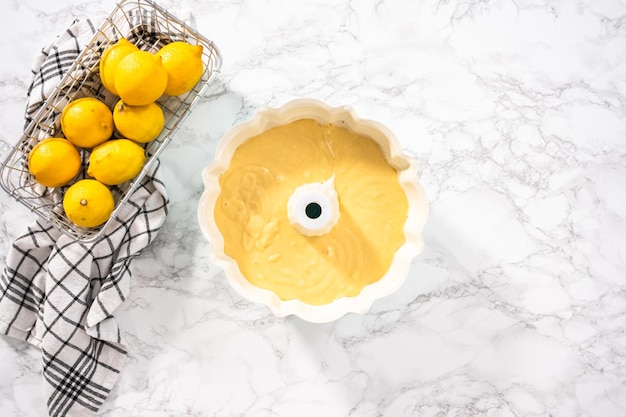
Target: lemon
<point>87,122</point>
<point>88,203</point>
<point>184,66</point>
<point>111,57</point>
<point>140,78</point>
<point>116,161</point>
<point>54,162</point>
<point>139,123</point>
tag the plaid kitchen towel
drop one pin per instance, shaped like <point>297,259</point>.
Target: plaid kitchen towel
<point>60,294</point>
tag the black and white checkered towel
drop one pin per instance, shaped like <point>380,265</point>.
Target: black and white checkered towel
<point>60,294</point>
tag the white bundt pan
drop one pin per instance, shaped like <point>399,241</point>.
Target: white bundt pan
<point>267,118</point>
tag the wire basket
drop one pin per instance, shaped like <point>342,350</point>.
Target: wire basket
<point>150,27</point>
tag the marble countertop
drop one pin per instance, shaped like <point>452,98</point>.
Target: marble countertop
<point>516,113</point>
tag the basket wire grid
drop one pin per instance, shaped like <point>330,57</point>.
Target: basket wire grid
<point>150,27</point>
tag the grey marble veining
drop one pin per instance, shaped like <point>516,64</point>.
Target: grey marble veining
<point>517,307</point>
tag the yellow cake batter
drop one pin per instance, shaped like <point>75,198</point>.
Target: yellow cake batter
<point>251,212</point>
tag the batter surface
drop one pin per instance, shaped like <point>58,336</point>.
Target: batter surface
<point>251,212</point>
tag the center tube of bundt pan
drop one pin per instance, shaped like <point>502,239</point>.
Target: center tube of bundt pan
<point>313,209</point>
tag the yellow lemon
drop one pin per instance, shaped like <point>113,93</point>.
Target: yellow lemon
<point>140,78</point>
<point>184,66</point>
<point>139,123</point>
<point>88,203</point>
<point>111,57</point>
<point>116,161</point>
<point>54,162</point>
<point>87,122</point>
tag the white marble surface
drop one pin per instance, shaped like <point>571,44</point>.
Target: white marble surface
<point>516,112</point>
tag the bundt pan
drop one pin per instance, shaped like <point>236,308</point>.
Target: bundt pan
<point>312,211</point>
